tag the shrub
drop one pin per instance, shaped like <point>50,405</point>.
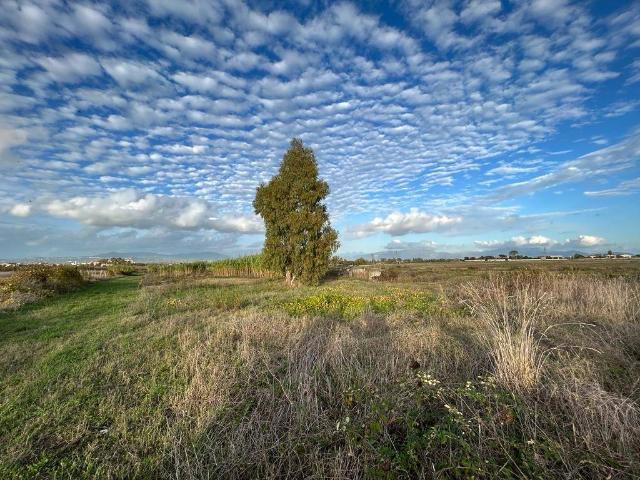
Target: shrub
<point>418,427</point>
<point>390,274</point>
<point>36,281</point>
<point>120,269</point>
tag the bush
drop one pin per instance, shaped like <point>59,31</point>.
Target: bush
<point>37,281</point>
<point>120,269</point>
<point>417,426</point>
<point>390,274</point>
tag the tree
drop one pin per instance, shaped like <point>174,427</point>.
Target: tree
<point>299,239</point>
<point>513,254</point>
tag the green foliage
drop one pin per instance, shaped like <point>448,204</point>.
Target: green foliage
<point>299,239</point>
<point>334,303</point>
<point>120,269</point>
<point>251,266</point>
<point>43,279</point>
<point>418,426</point>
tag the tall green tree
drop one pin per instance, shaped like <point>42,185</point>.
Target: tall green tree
<point>299,239</point>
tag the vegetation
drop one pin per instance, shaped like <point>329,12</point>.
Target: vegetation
<point>250,266</point>
<point>299,240</point>
<point>484,373</point>
<point>116,269</point>
<point>33,282</point>
<point>507,374</point>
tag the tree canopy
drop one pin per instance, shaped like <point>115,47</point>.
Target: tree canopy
<point>299,239</point>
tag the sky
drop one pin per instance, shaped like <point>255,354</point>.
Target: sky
<point>443,127</point>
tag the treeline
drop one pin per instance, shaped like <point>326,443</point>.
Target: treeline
<point>252,266</point>
<point>337,261</point>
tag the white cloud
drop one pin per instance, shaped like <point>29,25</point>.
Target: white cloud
<point>616,158</point>
<point>540,242</point>
<point>90,20</point>
<point>128,73</point>
<point>71,68</point>
<point>628,187</point>
<point>534,240</point>
<point>20,210</point>
<point>511,170</point>
<point>191,46</point>
<point>551,10</point>
<point>128,208</point>
<point>240,224</point>
<point>11,138</point>
<point>415,221</point>
<point>198,11</point>
<point>588,240</point>
<point>479,9</point>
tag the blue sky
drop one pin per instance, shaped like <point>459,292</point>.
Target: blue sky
<point>442,127</point>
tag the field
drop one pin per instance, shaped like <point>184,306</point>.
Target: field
<point>451,370</point>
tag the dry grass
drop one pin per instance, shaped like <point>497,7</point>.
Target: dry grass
<point>511,309</point>
<point>534,372</point>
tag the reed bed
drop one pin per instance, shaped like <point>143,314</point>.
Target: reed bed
<point>250,266</point>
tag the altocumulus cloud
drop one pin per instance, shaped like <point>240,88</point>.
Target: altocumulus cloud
<point>446,105</point>
<point>129,208</point>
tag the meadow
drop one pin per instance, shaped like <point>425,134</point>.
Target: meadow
<point>449,370</point>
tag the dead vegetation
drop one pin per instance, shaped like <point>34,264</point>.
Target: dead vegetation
<point>518,375</point>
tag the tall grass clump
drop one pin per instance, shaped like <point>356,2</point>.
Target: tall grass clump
<point>615,300</point>
<point>251,266</point>
<point>177,270</point>
<point>511,309</point>
<point>248,266</point>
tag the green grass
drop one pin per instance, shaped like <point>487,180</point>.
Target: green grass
<point>152,377</point>
<point>50,381</point>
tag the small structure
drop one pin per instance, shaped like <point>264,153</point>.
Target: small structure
<point>358,272</point>
<point>375,274</point>
<point>365,272</point>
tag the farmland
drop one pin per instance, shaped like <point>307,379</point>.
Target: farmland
<point>449,370</point>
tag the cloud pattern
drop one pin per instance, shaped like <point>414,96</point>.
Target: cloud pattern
<point>428,118</point>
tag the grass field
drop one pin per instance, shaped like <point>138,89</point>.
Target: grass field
<point>455,370</point>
